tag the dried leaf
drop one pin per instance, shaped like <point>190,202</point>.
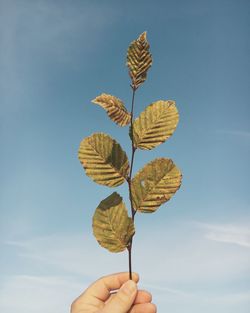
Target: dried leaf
<point>155,184</point>
<point>103,160</point>
<point>115,108</point>
<point>112,227</point>
<point>155,125</point>
<point>139,60</point>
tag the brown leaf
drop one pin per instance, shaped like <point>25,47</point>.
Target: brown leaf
<point>155,184</point>
<point>115,108</point>
<point>139,60</point>
<point>112,227</point>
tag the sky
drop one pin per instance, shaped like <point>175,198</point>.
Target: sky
<point>193,253</point>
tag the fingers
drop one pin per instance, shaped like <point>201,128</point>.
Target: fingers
<point>143,297</point>
<point>123,300</point>
<point>144,308</point>
<point>101,288</point>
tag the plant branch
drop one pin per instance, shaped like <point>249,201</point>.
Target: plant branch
<point>133,211</point>
<point>133,153</point>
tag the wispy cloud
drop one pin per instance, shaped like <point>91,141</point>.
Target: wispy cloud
<point>53,294</point>
<point>36,294</point>
<point>239,235</point>
<point>71,254</point>
<point>197,295</point>
<point>239,133</point>
<point>174,271</point>
<point>165,289</point>
<point>192,256</point>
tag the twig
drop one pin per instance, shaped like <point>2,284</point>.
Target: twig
<point>133,211</point>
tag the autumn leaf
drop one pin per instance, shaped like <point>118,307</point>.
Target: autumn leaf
<point>103,160</point>
<point>114,107</point>
<point>139,60</point>
<point>112,227</point>
<point>155,184</point>
<point>155,124</point>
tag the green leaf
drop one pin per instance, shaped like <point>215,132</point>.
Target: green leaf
<point>155,125</point>
<point>112,227</point>
<point>155,184</point>
<point>139,60</point>
<point>103,160</point>
<point>115,108</point>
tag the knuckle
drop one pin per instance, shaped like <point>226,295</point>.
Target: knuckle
<point>123,298</point>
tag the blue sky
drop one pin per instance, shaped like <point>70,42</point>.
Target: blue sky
<point>55,57</point>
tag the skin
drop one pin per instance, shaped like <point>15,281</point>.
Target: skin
<point>128,299</point>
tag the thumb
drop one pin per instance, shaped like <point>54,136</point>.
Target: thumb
<point>123,300</point>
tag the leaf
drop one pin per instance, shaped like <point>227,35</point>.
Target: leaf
<point>115,108</point>
<point>112,227</point>
<point>155,184</point>
<point>139,60</point>
<point>103,160</point>
<point>155,125</point>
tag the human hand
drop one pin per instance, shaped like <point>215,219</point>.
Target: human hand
<point>98,299</point>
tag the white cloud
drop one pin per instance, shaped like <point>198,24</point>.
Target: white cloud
<point>34,294</point>
<point>180,265</point>
<point>239,133</point>
<point>195,252</point>
<point>228,234</point>
<point>53,294</point>
<point>194,303</point>
<point>73,254</point>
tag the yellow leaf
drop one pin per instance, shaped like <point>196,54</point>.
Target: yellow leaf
<point>115,108</point>
<point>155,184</point>
<point>139,60</point>
<point>155,125</point>
<point>103,160</point>
<point>112,227</point>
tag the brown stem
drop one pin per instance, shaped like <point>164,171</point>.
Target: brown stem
<point>130,260</point>
<point>133,211</point>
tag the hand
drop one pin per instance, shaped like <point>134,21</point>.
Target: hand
<point>97,298</point>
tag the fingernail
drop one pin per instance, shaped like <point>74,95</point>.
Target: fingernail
<point>129,287</point>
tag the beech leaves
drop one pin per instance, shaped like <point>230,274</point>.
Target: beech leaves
<point>155,125</point>
<point>155,184</point>
<point>103,160</point>
<point>139,60</point>
<point>106,163</point>
<point>112,227</point>
<point>114,107</point>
